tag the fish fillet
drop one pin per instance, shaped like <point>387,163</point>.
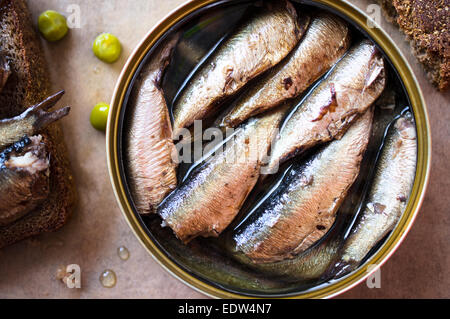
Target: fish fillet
<point>348,91</point>
<point>325,42</point>
<point>304,207</point>
<point>151,151</point>
<point>257,45</point>
<point>207,202</point>
<point>389,194</point>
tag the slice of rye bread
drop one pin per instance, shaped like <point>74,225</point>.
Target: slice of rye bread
<point>427,25</point>
<point>27,85</point>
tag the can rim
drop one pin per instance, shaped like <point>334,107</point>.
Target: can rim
<point>418,105</point>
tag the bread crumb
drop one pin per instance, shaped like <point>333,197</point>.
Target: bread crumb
<point>62,274</point>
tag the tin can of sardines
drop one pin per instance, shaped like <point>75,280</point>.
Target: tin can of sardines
<point>269,148</point>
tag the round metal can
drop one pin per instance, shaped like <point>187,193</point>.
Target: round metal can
<point>411,87</point>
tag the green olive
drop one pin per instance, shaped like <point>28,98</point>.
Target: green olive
<point>99,116</point>
<point>52,25</point>
<point>107,48</point>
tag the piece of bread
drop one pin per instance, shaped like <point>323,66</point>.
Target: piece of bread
<point>427,25</point>
<point>29,84</point>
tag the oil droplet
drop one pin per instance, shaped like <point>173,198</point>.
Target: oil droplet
<point>97,70</point>
<point>123,253</point>
<point>108,278</point>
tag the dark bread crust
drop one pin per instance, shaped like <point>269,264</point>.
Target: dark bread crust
<point>29,81</point>
<point>29,84</point>
<point>427,25</point>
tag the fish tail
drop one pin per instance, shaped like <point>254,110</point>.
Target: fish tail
<point>46,118</point>
<point>48,102</point>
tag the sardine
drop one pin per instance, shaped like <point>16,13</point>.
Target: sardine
<point>30,122</point>
<point>304,206</point>
<point>24,178</point>
<point>317,263</point>
<point>325,42</point>
<point>257,45</point>
<point>348,91</point>
<point>308,266</point>
<point>212,195</point>
<point>389,194</point>
<point>151,151</point>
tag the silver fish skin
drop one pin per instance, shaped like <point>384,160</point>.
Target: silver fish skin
<point>24,179</point>
<point>30,122</point>
<point>327,112</point>
<point>304,206</point>
<point>309,266</point>
<point>325,42</point>
<point>389,194</point>
<point>210,198</point>
<point>151,151</point>
<point>257,45</point>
